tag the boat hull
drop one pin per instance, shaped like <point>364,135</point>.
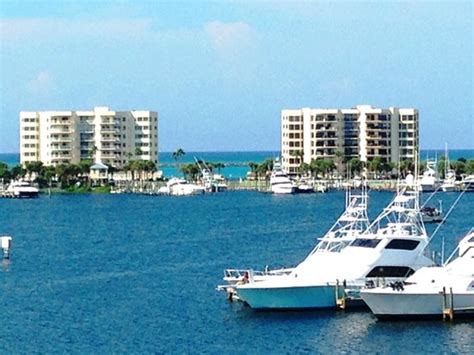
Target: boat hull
<point>283,189</point>
<point>397,305</point>
<point>286,298</point>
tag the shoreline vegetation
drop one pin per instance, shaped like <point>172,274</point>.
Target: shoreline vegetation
<point>140,176</point>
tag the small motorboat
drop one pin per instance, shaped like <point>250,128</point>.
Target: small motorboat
<point>432,214</point>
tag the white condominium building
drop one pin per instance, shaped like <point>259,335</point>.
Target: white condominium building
<point>363,132</point>
<point>110,137</point>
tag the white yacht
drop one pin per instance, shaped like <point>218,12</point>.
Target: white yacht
<point>280,183</point>
<point>391,249</point>
<point>431,291</point>
<point>22,189</point>
<point>429,181</point>
<point>352,222</point>
<point>180,187</point>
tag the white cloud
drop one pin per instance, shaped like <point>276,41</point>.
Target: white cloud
<point>230,38</point>
<point>43,84</point>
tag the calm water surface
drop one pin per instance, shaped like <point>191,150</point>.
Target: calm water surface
<point>130,273</point>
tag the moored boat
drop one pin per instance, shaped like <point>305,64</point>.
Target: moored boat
<point>429,181</point>
<point>431,291</point>
<point>391,249</point>
<point>22,189</point>
<point>181,187</point>
<point>280,183</point>
<point>352,222</point>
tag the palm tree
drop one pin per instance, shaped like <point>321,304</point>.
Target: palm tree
<point>138,151</point>
<point>34,167</point>
<point>4,172</point>
<point>178,154</point>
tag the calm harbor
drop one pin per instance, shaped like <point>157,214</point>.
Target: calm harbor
<point>134,273</point>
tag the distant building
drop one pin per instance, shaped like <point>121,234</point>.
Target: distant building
<point>363,132</point>
<point>110,137</point>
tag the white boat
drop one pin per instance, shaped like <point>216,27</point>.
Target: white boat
<point>280,183</point>
<point>449,183</point>
<point>181,187</point>
<point>431,291</point>
<point>467,184</point>
<point>22,189</point>
<point>352,222</point>
<point>304,187</point>
<point>391,249</point>
<point>429,181</point>
<point>212,182</point>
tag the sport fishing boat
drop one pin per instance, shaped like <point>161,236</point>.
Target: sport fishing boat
<point>431,291</point>
<point>391,249</point>
<point>429,181</point>
<point>352,223</point>
<point>280,183</point>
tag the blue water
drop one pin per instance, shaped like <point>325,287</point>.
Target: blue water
<point>238,161</point>
<point>132,273</point>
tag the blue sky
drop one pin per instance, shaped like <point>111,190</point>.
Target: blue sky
<point>220,72</point>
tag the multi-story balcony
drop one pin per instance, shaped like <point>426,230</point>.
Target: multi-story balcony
<point>60,121</point>
<point>324,118</point>
<point>109,154</point>
<point>59,130</point>
<point>61,139</point>
<point>60,147</point>
<point>109,139</point>
<point>378,143</point>
<point>326,127</point>
<point>58,156</point>
<point>328,144</point>
<point>108,129</point>
<point>377,127</point>
<point>378,118</point>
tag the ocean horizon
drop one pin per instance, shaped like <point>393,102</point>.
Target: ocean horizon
<point>237,161</point>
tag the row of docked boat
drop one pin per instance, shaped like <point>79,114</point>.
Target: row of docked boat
<point>357,261</point>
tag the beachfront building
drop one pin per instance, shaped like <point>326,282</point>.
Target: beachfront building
<point>102,135</point>
<point>363,132</point>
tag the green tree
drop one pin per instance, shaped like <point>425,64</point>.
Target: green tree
<point>178,154</point>
<point>34,167</point>
<point>356,166</point>
<point>5,173</point>
<point>138,152</point>
<point>17,172</point>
